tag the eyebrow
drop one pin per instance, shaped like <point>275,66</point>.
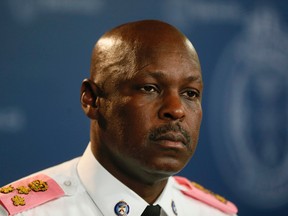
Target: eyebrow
<point>197,79</point>
<point>161,75</point>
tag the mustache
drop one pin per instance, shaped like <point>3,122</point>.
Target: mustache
<point>156,133</point>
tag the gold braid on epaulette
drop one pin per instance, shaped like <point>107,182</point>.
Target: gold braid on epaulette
<point>217,196</point>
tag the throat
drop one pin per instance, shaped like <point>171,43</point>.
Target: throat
<point>149,192</point>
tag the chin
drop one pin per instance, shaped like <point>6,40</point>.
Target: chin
<point>167,168</point>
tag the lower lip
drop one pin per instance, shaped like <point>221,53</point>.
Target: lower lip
<point>171,144</point>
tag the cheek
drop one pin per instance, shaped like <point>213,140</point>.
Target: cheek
<point>137,119</point>
<point>197,117</point>
<point>111,122</point>
<point>130,118</point>
<point>194,122</point>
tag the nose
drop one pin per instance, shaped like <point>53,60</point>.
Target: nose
<point>171,107</point>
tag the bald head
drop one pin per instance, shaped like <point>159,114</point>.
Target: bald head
<point>124,49</point>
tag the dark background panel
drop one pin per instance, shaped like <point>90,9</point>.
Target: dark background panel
<point>243,147</point>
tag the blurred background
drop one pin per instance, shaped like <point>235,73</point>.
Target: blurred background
<point>243,47</point>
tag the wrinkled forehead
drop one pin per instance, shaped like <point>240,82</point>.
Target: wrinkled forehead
<point>125,49</point>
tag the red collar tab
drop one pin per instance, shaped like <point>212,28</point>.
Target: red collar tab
<point>200,193</point>
<point>28,193</point>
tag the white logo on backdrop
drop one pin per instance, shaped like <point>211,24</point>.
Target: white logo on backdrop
<point>248,112</point>
<point>12,119</point>
<point>185,12</point>
<point>27,11</point>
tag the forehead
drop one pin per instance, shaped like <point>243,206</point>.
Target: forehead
<point>177,57</point>
<point>170,66</point>
<point>166,51</point>
<point>166,65</point>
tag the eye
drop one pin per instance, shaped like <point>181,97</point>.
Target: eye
<point>191,94</point>
<point>149,88</point>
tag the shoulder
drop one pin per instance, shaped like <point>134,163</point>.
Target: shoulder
<point>192,191</point>
<point>39,188</point>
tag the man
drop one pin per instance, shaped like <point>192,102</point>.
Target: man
<point>144,101</point>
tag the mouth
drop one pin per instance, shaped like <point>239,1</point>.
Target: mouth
<point>171,136</point>
<point>172,140</point>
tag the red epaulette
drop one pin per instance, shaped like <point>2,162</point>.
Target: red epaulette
<point>198,192</point>
<point>28,193</point>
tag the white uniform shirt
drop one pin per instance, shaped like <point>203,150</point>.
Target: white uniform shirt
<point>90,190</point>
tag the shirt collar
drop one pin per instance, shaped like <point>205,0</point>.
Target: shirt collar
<point>166,199</point>
<point>106,191</point>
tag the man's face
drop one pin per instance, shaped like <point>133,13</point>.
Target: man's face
<point>150,121</point>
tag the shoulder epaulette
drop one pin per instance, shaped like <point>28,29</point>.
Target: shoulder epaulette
<point>200,193</point>
<point>28,193</point>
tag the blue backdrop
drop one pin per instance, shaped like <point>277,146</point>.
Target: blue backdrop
<point>243,47</point>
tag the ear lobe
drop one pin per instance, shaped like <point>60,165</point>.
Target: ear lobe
<point>89,98</point>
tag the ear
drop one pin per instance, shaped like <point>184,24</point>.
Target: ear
<point>89,98</point>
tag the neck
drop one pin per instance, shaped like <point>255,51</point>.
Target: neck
<point>148,191</point>
<point>149,187</point>
<point>147,184</point>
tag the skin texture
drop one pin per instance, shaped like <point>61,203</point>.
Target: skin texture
<point>144,101</point>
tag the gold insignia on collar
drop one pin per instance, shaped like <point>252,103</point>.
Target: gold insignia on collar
<point>23,190</point>
<point>38,185</point>
<point>217,196</point>
<point>17,200</point>
<point>7,190</point>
